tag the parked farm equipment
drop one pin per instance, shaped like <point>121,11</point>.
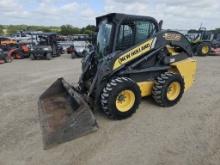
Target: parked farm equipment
<point>5,57</point>
<point>201,41</point>
<point>46,48</point>
<point>19,51</point>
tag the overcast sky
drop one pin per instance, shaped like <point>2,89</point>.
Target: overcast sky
<point>177,14</point>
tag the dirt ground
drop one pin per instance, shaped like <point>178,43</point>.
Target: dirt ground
<point>186,134</point>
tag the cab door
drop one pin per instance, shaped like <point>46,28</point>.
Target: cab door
<point>134,32</point>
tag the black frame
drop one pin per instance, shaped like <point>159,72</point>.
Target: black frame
<point>52,40</point>
<point>117,19</point>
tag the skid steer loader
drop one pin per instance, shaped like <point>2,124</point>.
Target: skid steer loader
<point>134,58</point>
<point>201,41</point>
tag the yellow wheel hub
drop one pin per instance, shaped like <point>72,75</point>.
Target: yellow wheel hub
<point>173,91</point>
<point>205,49</point>
<point>125,100</point>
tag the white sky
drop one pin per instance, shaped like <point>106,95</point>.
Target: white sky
<point>177,14</point>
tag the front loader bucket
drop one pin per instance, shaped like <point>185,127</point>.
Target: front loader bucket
<point>64,114</point>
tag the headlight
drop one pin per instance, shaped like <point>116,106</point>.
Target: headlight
<point>46,49</point>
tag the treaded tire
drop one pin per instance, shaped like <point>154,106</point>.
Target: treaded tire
<point>32,57</point>
<point>199,49</point>
<point>58,54</point>
<point>48,56</point>
<point>73,55</point>
<point>160,89</point>
<point>8,59</point>
<point>111,92</point>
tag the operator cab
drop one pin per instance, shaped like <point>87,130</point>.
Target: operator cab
<point>201,35</point>
<point>118,32</point>
<point>46,45</point>
<point>47,39</point>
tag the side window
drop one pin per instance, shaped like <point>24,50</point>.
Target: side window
<point>218,37</point>
<point>126,37</point>
<point>144,30</point>
<point>134,32</point>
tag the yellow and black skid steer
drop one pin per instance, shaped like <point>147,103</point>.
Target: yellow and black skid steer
<point>133,58</point>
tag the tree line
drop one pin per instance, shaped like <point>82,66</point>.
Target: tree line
<point>63,30</point>
<point>217,30</point>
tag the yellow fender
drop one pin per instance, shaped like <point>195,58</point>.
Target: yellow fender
<point>187,69</point>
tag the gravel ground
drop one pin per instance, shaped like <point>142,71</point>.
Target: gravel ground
<point>186,134</point>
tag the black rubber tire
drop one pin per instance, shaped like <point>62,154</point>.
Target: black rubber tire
<point>199,49</point>
<point>159,92</point>
<point>48,56</point>
<point>110,93</point>
<point>8,59</point>
<point>73,55</point>
<point>21,54</point>
<point>13,55</point>
<point>32,57</point>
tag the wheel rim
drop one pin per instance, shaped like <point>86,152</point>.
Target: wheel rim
<point>125,100</point>
<point>173,91</point>
<point>205,49</point>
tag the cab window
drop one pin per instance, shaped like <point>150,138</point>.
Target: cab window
<point>126,37</point>
<point>134,32</point>
<point>144,30</point>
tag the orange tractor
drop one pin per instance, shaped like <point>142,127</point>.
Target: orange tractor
<point>7,41</point>
<point>5,57</point>
<point>15,50</point>
<point>19,51</point>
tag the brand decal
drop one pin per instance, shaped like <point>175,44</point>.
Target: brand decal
<point>134,53</point>
<point>172,36</point>
<point>172,60</point>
